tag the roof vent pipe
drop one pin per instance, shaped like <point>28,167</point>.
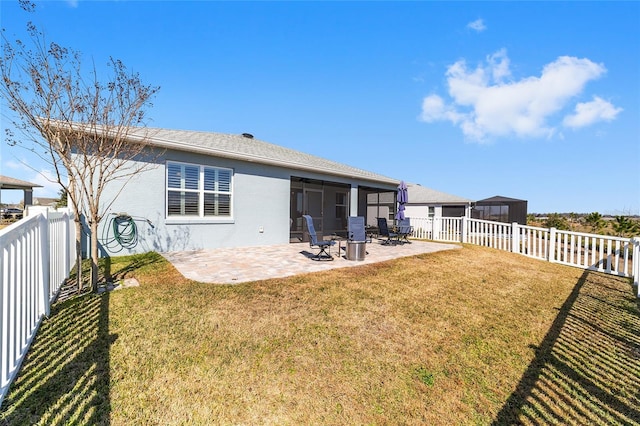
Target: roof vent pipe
<point>248,135</point>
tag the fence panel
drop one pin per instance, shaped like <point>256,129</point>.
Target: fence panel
<point>422,228</point>
<point>62,249</point>
<point>35,259</point>
<point>438,229</point>
<point>603,253</point>
<point>532,241</point>
<point>488,233</point>
<point>447,229</point>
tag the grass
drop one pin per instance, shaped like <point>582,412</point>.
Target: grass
<point>5,222</point>
<point>471,336</point>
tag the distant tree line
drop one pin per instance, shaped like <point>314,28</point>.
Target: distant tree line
<point>619,225</point>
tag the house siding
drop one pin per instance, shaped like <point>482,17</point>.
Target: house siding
<point>260,207</point>
<point>260,201</point>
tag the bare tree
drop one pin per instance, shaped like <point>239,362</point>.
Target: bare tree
<point>87,130</point>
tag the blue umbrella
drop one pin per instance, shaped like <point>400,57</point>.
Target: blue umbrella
<point>403,198</point>
<point>403,193</point>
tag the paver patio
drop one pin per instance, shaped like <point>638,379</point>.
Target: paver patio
<point>237,265</point>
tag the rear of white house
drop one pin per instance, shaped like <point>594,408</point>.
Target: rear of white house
<point>211,190</point>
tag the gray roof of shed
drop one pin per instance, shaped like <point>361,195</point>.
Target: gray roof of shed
<point>500,199</point>
<point>419,194</point>
<point>7,182</point>
<point>239,147</point>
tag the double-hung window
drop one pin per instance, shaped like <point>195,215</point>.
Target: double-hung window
<point>198,191</point>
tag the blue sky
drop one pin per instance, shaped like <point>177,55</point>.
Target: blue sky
<point>531,100</point>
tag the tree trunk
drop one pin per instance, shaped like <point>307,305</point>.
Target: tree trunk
<point>94,254</point>
<point>78,223</point>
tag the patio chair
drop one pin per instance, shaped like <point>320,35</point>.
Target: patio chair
<point>356,238</point>
<point>404,230</point>
<point>356,229</point>
<point>323,246</point>
<point>392,237</point>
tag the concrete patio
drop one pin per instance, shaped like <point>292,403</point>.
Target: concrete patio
<point>237,265</point>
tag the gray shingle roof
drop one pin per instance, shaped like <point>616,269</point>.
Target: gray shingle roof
<point>7,182</point>
<point>44,201</point>
<point>243,148</point>
<point>422,195</point>
<point>500,199</point>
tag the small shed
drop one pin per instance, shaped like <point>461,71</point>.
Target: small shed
<point>7,182</point>
<point>501,209</point>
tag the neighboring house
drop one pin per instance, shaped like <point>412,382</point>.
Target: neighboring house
<point>501,209</point>
<point>429,203</point>
<point>211,190</point>
<point>45,202</point>
<point>7,182</point>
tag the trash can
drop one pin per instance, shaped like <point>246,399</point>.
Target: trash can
<point>356,250</point>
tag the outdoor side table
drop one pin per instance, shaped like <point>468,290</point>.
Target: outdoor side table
<point>356,250</point>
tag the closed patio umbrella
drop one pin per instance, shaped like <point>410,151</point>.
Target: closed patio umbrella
<point>403,198</point>
<point>403,193</point>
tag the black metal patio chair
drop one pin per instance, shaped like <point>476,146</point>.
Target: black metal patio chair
<point>404,230</point>
<point>392,237</point>
<point>324,247</point>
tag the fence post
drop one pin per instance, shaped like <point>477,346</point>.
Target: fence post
<point>433,228</point>
<point>73,254</point>
<point>463,231</point>
<point>65,243</point>
<point>45,266</point>
<point>5,268</point>
<point>515,238</point>
<point>635,265</point>
<point>552,245</point>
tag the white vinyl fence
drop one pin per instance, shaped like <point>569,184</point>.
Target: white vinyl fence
<point>603,253</point>
<point>37,254</point>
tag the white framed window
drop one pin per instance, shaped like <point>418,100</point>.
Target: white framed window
<point>196,191</point>
<point>432,212</point>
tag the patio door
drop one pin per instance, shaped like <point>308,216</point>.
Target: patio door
<point>313,199</point>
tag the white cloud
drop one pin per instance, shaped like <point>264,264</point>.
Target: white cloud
<point>587,113</point>
<point>47,179</point>
<point>15,165</point>
<point>477,25</point>
<point>434,109</point>
<point>499,64</point>
<point>486,102</point>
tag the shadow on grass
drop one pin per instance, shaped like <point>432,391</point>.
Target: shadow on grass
<point>587,369</point>
<point>111,270</point>
<point>65,377</point>
<point>132,263</point>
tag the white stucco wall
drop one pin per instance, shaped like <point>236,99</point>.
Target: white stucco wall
<point>421,210</point>
<point>260,205</point>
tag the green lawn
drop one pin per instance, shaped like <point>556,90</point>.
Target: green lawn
<point>471,336</point>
